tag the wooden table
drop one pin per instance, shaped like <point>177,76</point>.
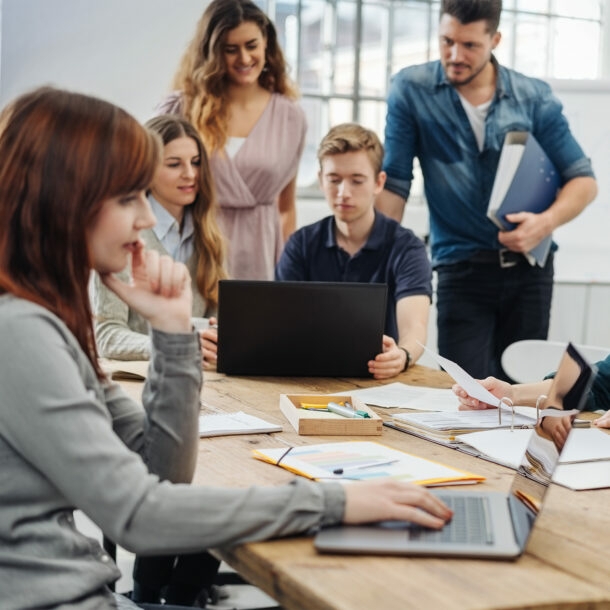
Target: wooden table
<point>566,564</point>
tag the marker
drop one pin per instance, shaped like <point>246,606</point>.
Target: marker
<point>333,407</point>
<point>313,406</point>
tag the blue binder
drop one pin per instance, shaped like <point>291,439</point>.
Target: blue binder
<point>526,181</point>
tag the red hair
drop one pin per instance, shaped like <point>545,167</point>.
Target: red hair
<point>63,155</point>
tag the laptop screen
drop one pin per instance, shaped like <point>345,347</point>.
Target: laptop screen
<point>568,392</point>
<point>324,329</point>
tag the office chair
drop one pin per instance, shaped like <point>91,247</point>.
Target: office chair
<point>532,359</point>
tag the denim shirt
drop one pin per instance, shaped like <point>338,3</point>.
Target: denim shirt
<point>425,119</point>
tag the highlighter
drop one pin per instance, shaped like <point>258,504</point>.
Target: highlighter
<point>334,407</point>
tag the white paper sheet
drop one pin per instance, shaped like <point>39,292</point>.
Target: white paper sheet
<point>222,424</point>
<point>459,375</point>
<point>404,396</point>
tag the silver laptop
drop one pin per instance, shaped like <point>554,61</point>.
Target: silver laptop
<point>305,329</point>
<point>485,524</point>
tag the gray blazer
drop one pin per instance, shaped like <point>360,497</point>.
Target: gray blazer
<point>69,441</point>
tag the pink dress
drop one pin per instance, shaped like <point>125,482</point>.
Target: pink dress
<point>248,185</point>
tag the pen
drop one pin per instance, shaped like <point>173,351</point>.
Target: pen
<point>333,407</point>
<point>363,466</point>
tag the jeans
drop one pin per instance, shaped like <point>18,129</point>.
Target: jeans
<point>483,308</point>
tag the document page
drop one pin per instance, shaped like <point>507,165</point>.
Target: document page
<point>223,424</point>
<point>404,396</point>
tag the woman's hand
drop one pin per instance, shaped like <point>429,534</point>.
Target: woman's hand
<point>498,388</point>
<point>160,290</point>
<point>390,362</point>
<point>603,421</point>
<point>209,344</point>
<point>387,499</point>
<point>557,428</point>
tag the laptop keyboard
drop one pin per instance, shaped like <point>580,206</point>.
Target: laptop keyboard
<point>470,524</point>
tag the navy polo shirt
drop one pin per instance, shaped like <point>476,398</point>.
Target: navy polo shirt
<point>392,255</point>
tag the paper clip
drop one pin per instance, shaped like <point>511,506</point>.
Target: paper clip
<point>509,403</point>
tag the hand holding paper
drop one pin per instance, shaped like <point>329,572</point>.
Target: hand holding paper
<point>460,376</point>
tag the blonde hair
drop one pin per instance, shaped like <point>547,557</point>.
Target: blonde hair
<point>351,137</point>
<point>209,242</point>
<point>202,77</point>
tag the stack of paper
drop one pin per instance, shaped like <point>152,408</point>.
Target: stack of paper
<point>363,460</point>
<point>584,462</point>
<point>445,427</point>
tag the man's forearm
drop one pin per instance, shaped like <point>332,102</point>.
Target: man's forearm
<point>573,198</point>
<point>391,204</point>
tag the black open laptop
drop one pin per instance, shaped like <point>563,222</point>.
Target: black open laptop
<point>318,329</point>
<point>485,524</point>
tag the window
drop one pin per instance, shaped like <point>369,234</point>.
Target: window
<point>343,52</point>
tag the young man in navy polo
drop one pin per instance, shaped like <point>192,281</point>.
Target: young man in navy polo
<point>359,244</point>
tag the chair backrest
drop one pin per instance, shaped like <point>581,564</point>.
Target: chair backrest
<point>531,359</point>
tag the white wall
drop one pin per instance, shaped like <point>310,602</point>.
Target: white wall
<point>125,51</point>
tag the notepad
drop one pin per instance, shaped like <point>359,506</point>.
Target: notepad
<point>125,370</point>
<point>224,424</point>
<point>363,461</point>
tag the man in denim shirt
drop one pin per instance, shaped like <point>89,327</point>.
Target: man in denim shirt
<point>453,115</point>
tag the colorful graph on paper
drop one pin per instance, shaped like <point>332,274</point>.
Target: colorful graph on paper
<point>363,460</point>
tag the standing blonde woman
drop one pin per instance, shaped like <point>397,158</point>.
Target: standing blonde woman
<point>183,200</point>
<point>233,86</point>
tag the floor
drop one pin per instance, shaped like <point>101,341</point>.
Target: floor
<point>241,597</point>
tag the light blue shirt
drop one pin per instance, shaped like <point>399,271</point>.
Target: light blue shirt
<point>426,119</point>
<point>179,245</point>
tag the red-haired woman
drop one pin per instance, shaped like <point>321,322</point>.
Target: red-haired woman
<point>73,178</point>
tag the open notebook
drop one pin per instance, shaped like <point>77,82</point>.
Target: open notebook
<point>485,524</point>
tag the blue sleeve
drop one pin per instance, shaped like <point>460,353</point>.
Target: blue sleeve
<point>400,139</point>
<point>599,398</point>
<point>552,131</point>
<point>292,265</point>
<point>413,271</point>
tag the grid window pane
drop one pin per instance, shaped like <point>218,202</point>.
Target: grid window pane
<point>372,115</point>
<point>531,48</point>
<point>313,75</point>
<point>323,39</point>
<point>410,43</point>
<point>533,6</point>
<point>373,50</point>
<point>571,60</point>
<point>316,111</point>
<point>587,9</point>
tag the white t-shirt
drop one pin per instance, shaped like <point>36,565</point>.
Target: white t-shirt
<point>476,115</point>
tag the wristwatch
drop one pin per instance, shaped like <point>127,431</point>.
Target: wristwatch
<point>407,359</point>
